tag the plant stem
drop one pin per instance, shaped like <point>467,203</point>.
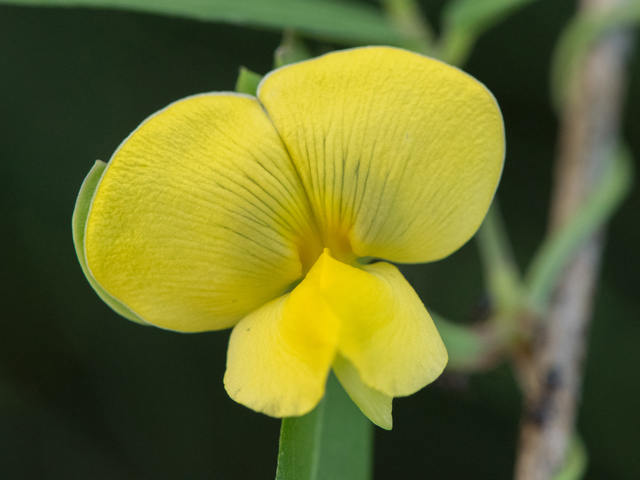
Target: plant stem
<point>553,374</point>
<point>411,24</point>
<point>501,272</point>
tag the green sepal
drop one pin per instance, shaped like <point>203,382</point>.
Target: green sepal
<point>248,81</point>
<point>79,222</point>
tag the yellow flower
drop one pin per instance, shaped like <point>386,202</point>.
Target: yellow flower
<point>224,210</point>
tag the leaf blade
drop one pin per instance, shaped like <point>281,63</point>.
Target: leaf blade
<point>333,442</point>
<point>351,22</point>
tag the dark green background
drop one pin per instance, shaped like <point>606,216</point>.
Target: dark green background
<point>85,394</point>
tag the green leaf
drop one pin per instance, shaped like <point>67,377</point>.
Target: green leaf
<point>578,37</point>
<point>300,444</point>
<point>78,224</point>
<point>465,20</point>
<point>333,442</point>
<point>350,22</point>
<point>479,15</point>
<point>248,81</point>
<point>559,246</point>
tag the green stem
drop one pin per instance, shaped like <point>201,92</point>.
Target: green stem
<point>411,24</point>
<point>292,49</point>
<point>559,246</point>
<point>333,442</point>
<point>501,272</point>
<point>455,46</point>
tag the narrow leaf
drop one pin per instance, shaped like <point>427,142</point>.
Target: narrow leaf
<point>349,22</point>
<point>299,452</point>
<point>479,15</point>
<point>347,438</point>
<point>333,442</point>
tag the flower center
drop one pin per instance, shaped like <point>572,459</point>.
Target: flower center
<point>335,239</point>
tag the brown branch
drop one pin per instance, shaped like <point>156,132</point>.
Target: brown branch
<point>553,374</point>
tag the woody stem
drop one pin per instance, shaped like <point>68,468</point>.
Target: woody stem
<point>553,372</point>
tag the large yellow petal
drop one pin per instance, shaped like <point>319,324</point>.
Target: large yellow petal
<point>199,217</point>
<point>399,154</point>
<point>280,355</point>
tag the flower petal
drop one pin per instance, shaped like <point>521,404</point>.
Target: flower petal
<point>280,355</point>
<point>400,154</point>
<point>386,332</point>
<point>199,217</point>
<point>374,404</point>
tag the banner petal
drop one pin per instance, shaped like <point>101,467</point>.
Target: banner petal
<point>399,154</point>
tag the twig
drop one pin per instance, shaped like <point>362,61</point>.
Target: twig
<point>553,373</point>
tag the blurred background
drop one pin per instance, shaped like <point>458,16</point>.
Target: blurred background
<point>85,394</point>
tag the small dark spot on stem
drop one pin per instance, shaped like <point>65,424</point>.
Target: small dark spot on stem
<point>554,378</point>
<point>538,413</point>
